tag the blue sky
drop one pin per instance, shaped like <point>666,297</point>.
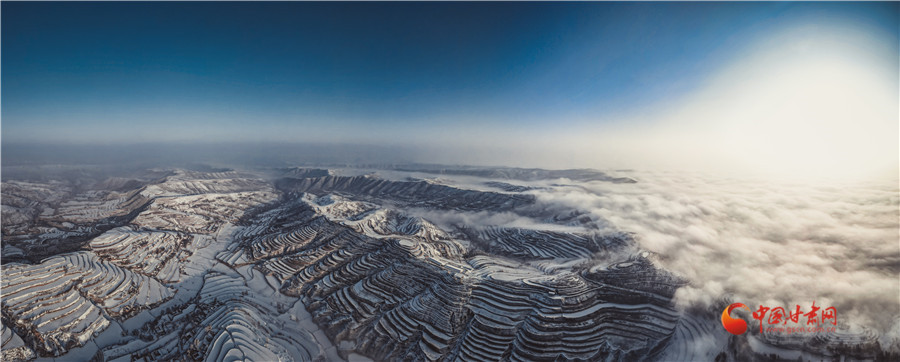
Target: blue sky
<point>162,71</point>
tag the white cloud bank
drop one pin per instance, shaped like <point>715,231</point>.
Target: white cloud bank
<point>776,244</point>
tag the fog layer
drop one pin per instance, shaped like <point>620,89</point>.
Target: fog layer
<point>775,244</point>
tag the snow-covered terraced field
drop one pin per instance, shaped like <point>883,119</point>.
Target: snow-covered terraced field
<point>391,222</point>
<point>308,265</point>
<point>535,244</point>
<point>97,205</point>
<point>185,182</point>
<point>12,346</point>
<point>66,300</point>
<point>386,285</point>
<point>154,253</point>
<point>407,193</point>
<point>203,213</point>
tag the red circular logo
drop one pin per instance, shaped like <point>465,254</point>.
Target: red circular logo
<point>735,326</point>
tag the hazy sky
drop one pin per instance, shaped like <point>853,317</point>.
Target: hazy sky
<point>509,75</point>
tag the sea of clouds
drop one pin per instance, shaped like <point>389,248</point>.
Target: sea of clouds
<point>762,243</point>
